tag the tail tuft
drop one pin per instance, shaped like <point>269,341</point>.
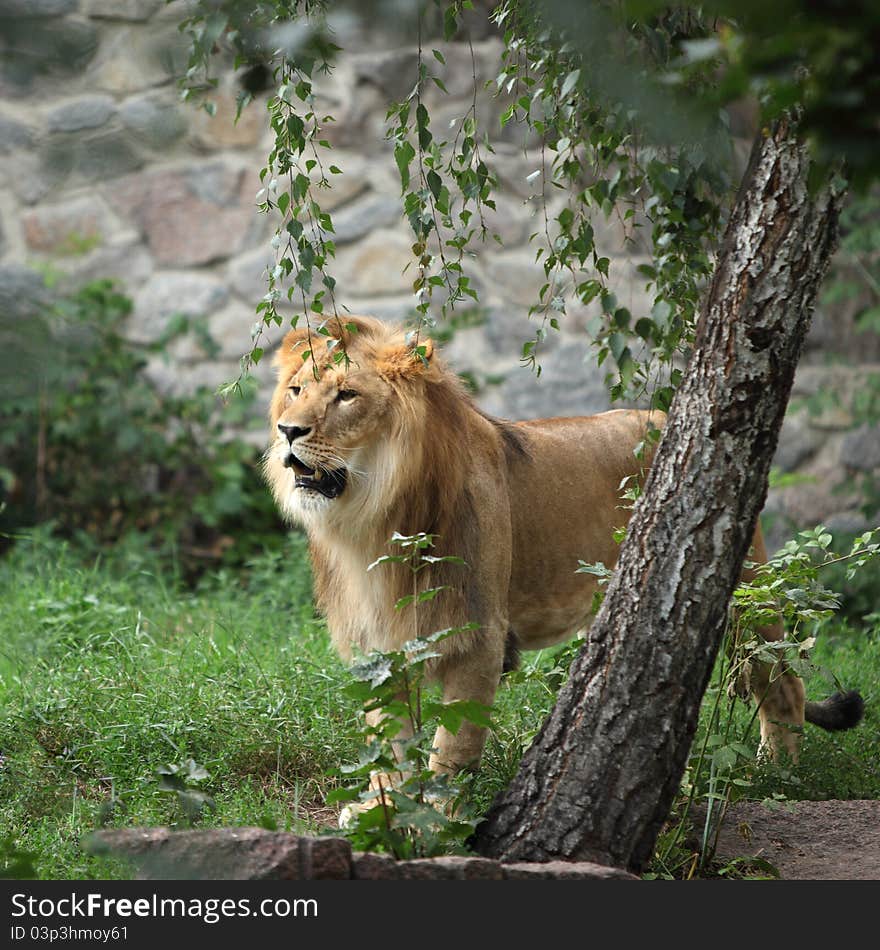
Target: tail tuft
<point>840,711</point>
<point>511,652</point>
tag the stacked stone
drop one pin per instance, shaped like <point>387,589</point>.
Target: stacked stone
<point>253,854</point>
<point>105,173</point>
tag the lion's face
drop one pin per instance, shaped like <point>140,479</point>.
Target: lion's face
<point>330,422</point>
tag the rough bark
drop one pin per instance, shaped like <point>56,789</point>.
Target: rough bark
<point>599,780</point>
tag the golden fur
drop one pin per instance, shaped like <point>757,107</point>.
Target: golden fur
<point>520,502</point>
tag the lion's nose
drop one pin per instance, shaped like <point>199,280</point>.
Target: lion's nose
<point>293,432</point>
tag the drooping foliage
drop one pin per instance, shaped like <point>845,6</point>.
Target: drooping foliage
<point>630,102</point>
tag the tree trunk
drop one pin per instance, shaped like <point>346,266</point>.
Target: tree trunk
<point>600,778</point>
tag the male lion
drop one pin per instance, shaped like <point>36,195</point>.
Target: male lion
<point>387,441</point>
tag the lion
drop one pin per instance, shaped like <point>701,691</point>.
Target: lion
<point>372,435</point>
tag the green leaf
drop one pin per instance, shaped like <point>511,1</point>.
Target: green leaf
<point>454,714</point>
<point>450,22</point>
<point>617,345</point>
<point>375,670</point>
<point>419,598</point>
<point>645,329</point>
<point>660,313</point>
<point>422,122</point>
<point>435,183</point>
<point>404,153</point>
<point>570,82</point>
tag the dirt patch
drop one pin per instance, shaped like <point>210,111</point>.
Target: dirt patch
<point>807,841</point>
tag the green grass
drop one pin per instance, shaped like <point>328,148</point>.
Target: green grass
<point>111,671</point>
<point>107,675</point>
<point>832,765</point>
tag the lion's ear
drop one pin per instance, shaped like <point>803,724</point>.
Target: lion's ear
<point>290,354</point>
<point>404,361</point>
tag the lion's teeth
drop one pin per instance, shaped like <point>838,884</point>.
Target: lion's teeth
<point>318,475</point>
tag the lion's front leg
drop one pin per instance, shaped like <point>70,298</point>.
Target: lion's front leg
<point>380,782</point>
<point>474,677</point>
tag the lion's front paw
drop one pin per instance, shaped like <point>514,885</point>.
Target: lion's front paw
<point>348,815</point>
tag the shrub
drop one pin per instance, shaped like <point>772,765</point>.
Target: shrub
<point>89,443</point>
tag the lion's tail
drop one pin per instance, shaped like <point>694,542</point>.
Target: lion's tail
<point>840,711</point>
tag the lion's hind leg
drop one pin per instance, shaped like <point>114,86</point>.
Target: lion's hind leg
<point>471,677</point>
<point>779,695</point>
<point>778,692</point>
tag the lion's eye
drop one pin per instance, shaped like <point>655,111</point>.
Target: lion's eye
<point>294,390</point>
<point>346,395</point>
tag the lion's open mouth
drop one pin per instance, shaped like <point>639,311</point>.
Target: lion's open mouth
<point>329,483</point>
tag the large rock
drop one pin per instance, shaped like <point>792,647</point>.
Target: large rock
<point>512,221</point>
<point>230,329</point>
<point>451,868</point>
<point>169,374</point>
<point>515,276</point>
<point>798,441</point>
<point>225,854</point>
<point>36,47</point>
<point>357,220</point>
<point>471,355</point>
<point>565,871</point>
<point>14,134</point>
<point>124,259</point>
<point>359,111</point>
<point>352,183</point>
<point>515,170</point>
<point>394,72</point>
<point>820,494</point>
<point>23,293</point>
<point>71,227</point>
<point>509,327</point>
<point>392,309</point>
<point>248,274</point>
<point>154,117</point>
<point>258,855</point>
<point>221,130</point>
<point>133,10</point>
<point>375,266</point>
<point>135,59</point>
<point>189,216</point>
<point>36,8</point>
<point>106,155</point>
<point>25,336</point>
<point>86,112</point>
<point>861,449</point>
<point>96,157</point>
<point>569,385</point>
<point>462,61</point>
<point>171,293</point>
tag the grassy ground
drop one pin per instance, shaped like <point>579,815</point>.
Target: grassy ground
<point>112,671</point>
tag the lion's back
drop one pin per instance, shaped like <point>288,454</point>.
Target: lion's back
<point>565,502</point>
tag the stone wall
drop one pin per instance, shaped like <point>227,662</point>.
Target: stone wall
<point>104,173</point>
